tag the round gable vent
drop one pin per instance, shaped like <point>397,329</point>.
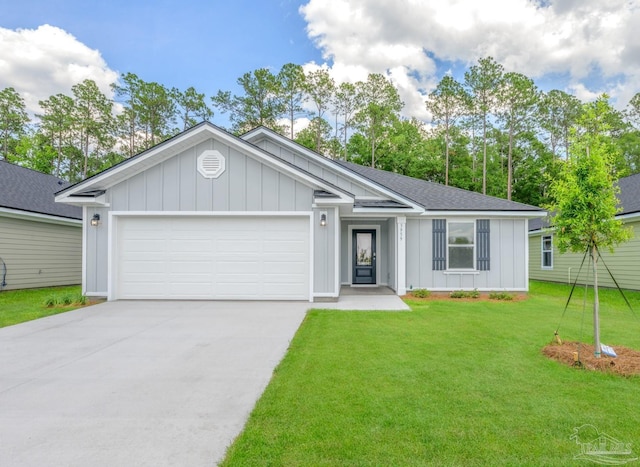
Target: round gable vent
<point>211,164</point>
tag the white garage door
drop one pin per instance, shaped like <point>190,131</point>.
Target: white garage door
<point>181,257</point>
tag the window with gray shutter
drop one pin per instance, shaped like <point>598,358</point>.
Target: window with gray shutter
<point>439,244</point>
<point>483,247</point>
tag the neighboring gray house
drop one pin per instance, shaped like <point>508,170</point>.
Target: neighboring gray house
<point>547,264</point>
<point>207,215</point>
<point>40,240</point>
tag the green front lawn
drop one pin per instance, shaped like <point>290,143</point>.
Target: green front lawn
<point>17,306</point>
<point>451,383</point>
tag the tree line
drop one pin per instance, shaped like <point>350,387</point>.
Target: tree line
<point>493,132</point>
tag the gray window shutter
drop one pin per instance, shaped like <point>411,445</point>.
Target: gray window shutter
<point>483,247</point>
<point>439,244</point>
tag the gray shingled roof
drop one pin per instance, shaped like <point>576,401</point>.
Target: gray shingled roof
<point>629,200</point>
<point>434,196</point>
<point>32,191</point>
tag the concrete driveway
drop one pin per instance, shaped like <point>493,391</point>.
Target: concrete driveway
<point>137,383</point>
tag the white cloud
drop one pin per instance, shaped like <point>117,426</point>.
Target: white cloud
<point>409,39</point>
<point>39,63</point>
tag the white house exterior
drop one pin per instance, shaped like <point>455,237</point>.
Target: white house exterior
<point>207,215</point>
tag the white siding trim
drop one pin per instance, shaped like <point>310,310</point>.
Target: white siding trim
<point>401,255</point>
<point>34,216</point>
<point>84,251</point>
<point>485,214</point>
<point>526,255</point>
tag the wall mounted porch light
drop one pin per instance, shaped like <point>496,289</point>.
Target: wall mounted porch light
<point>95,220</point>
<point>323,218</point>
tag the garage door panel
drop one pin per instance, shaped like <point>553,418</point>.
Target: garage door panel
<point>213,257</point>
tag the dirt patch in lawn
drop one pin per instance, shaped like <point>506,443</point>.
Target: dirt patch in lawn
<point>627,363</point>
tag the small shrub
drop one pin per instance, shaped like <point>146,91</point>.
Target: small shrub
<point>465,294</point>
<point>65,300</point>
<point>500,296</point>
<point>420,293</point>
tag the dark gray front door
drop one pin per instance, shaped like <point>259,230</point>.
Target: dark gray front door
<point>364,257</point>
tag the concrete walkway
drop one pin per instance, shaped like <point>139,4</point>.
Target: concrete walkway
<point>365,298</point>
<point>137,383</point>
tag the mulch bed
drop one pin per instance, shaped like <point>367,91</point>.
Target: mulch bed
<point>444,296</point>
<point>627,363</point>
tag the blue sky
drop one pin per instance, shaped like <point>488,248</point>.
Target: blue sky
<point>584,47</point>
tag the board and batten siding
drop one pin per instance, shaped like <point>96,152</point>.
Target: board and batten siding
<point>40,254</point>
<point>507,262</point>
<point>175,185</point>
<point>314,168</point>
<point>624,263</point>
<point>324,258</point>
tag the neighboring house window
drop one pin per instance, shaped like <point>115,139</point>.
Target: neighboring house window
<point>461,245</point>
<point>547,252</point>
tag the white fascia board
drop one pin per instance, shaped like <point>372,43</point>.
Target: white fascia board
<point>377,212</point>
<point>628,217</point>
<point>524,214</point>
<point>326,162</point>
<point>89,201</point>
<point>34,216</point>
<point>333,201</point>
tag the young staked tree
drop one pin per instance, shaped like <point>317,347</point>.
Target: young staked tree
<point>448,102</point>
<point>584,196</point>
<point>13,120</point>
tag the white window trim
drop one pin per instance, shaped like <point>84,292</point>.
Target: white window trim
<point>542,252</point>
<point>461,221</point>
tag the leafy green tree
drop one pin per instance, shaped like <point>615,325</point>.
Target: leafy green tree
<point>292,86</point>
<point>13,120</point>
<point>483,82</point>
<point>156,112</point>
<point>448,102</point>
<point>128,126</point>
<point>319,89</point>
<point>347,104</point>
<point>93,122</point>
<point>260,105</point>
<point>558,112</point>
<point>57,125</point>
<point>34,151</point>
<point>308,137</point>
<point>584,196</point>
<point>380,107</point>
<point>191,107</point>
<point>518,99</point>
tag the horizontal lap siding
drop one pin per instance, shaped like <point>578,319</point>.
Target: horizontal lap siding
<point>39,254</point>
<point>624,263</point>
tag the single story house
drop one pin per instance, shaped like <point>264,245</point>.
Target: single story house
<point>547,264</point>
<point>208,215</point>
<point>40,240</point>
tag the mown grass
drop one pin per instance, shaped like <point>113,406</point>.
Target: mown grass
<point>17,306</point>
<point>450,383</point>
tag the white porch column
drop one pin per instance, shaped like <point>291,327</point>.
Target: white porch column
<point>401,255</point>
